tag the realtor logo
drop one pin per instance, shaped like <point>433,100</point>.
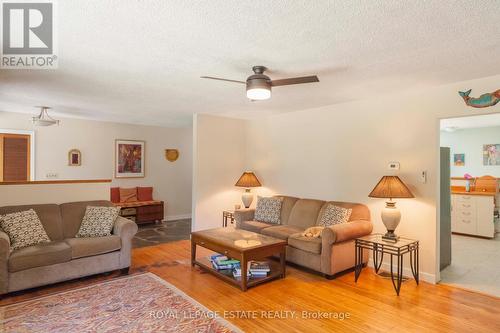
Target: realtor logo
<point>28,35</point>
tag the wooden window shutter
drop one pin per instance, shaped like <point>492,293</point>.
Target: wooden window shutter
<point>16,157</point>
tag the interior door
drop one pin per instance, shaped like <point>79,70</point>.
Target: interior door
<point>445,210</point>
<point>14,157</point>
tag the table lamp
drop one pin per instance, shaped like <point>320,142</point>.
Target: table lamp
<point>247,180</point>
<point>391,187</point>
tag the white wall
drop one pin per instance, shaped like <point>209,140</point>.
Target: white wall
<point>96,140</point>
<point>470,142</point>
<point>219,160</point>
<point>339,152</point>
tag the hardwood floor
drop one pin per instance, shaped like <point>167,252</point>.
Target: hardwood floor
<point>371,303</point>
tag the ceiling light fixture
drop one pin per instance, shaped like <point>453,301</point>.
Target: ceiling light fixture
<point>43,119</point>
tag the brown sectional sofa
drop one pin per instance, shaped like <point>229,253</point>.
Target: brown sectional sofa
<point>330,254</point>
<point>65,257</point>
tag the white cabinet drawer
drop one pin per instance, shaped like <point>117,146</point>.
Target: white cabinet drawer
<point>464,198</point>
<point>465,225</point>
<point>461,205</point>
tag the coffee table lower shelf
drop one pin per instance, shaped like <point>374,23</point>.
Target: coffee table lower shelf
<point>227,275</point>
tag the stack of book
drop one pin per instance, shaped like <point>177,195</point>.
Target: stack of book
<point>221,262</point>
<point>259,268</point>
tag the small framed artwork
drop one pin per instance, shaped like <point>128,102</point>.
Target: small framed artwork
<point>74,157</point>
<point>491,154</point>
<point>459,159</point>
<point>129,158</point>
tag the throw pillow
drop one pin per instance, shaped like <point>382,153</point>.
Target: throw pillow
<point>24,229</point>
<point>268,210</point>
<point>128,194</point>
<point>334,215</point>
<point>145,193</point>
<point>98,221</point>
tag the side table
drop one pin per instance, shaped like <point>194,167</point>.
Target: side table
<point>227,215</point>
<point>380,247</point>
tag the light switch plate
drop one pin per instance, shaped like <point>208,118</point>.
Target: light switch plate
<point>393,166</point>
<point>423,177</point>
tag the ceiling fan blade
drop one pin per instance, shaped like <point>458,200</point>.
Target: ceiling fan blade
<point>218,78</point>
<point>294,80</point>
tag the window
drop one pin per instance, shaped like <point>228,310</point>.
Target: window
<point>16,156</point>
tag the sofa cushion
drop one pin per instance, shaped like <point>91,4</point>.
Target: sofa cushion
<point>98,221</point>
<point>49,215</point>
<point>72,215</point>
<point>254,226</point>
<point>268,209</point>
<point>308,244</point>
<point>39,255</point>
<point>281,231</point>
<point>144,194</point>
<point>128,194</point>
<point>359,211</point>
<point>305,213</point>
<point>86,247</point>
<point>286,207</point>
<point>24,229</point>
<point>332,214</point>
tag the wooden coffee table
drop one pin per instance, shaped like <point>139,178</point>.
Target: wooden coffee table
<point>241,245</point>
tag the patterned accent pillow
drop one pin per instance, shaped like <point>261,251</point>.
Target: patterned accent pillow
<point>334,215</point>
<point>268,210</point>
<point>98,221</point>
<point>24,229</point>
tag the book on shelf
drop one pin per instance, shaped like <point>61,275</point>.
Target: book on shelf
<point>259,268</point>
<point>221,262</point>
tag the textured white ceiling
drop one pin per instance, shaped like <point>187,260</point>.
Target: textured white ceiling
<point>140,61</point>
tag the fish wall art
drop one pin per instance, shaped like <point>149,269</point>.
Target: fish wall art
<point>483,101</point>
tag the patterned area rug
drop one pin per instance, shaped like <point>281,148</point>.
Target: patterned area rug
<point>137,303</point>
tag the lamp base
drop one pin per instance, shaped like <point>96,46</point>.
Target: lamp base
<point>391,217</point>
<point>390,236</point>
<point>247,198</point>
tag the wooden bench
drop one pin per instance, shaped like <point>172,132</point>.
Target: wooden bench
<point>141,211</point>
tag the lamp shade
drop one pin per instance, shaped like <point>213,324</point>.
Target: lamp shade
<point>391,187</point>
<point>248,179</point>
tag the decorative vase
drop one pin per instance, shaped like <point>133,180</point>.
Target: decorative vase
<point>467,185</point>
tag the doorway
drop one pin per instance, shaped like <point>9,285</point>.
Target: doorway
<point>469,213</point>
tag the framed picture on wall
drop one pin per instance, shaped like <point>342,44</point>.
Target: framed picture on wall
<point>459,159</point>
<point>74,157</point>
<point>491,154</point>
<point>129,158</point>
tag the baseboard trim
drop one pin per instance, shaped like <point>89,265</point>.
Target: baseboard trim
<point>177,217</point>
<point>427,277</point>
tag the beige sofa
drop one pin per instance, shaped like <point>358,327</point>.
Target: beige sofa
<point>65,257</point>
<point>330,254</point>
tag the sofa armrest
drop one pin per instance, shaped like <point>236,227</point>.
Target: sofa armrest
<point>124,228</point>
<point>340,233</point>
<point>242,215</point>
<point>4,261</point>
<point>346,231</point>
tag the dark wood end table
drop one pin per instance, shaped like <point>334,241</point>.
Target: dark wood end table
<point>380,247</point>
<point>241,245</point>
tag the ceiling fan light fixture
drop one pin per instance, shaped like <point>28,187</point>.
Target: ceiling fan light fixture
<point>258,87</point>
<point>259,94</point>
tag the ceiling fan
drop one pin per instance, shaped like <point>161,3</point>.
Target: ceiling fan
<point>259,85</point>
